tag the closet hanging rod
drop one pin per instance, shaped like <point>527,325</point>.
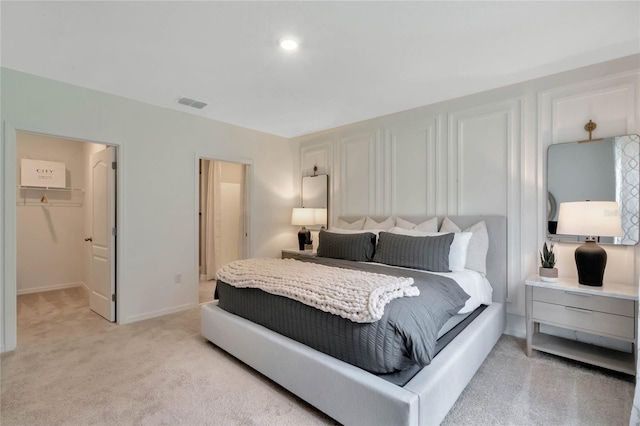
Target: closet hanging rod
<point>46,188</point>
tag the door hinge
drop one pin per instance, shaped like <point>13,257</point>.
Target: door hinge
<point>114,232</point>
<point>114,165</point>
<point>113,297</point>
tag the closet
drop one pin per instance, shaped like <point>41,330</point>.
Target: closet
<point>53,215</point>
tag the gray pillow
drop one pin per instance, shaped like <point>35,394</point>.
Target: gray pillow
<point>357,247</point>
<point>426,253</point>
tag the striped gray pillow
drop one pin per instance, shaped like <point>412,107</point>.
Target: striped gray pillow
<point>357,247</point>
<point>426,253</point>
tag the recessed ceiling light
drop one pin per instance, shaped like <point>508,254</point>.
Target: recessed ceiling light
<point>288,44</point>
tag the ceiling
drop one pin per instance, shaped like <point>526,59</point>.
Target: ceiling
<point>356,60</point>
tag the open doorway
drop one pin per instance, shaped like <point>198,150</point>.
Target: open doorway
<point>65,234</point>
<point>222,219</point>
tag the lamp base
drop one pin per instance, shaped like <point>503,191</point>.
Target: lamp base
<point>302,238</point>
<point>591,260</point>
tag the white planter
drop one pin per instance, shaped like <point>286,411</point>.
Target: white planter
<point>549,275</point>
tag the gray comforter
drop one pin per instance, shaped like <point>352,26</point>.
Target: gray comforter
<point>404,337</point>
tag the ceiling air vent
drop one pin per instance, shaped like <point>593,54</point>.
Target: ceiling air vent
<point>192,103</point>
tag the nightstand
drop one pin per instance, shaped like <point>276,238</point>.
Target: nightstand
<point>610,311</point>
<point>295,253</point>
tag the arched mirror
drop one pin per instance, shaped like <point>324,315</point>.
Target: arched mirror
<point>598,170</point>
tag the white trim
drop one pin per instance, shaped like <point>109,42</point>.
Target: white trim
<point>52,287</point>
<point>9,313</point>
<point>159,313</point>
<point>516,326</point>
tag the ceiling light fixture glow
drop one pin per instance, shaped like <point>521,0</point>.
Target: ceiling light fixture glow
<point>288,44</point>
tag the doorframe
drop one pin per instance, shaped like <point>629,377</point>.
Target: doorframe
<point>8,253</point>
<point>248,224</point>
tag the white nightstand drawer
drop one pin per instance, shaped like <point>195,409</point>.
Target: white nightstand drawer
<point>584,319</point>
<point>574,299</point>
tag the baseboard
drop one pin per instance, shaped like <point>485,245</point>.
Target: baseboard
<point>158,313</point>
<point>516,326</point>
<point>51,288</point>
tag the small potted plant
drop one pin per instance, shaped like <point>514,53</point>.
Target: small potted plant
<point>548,272</point>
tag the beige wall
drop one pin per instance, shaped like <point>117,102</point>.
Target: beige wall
<point>157,177</point>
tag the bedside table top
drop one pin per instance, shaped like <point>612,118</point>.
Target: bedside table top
<point>619,291</point>
<point>299,252</point>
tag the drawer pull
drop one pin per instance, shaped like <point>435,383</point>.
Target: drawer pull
<point>577,294</point>
<point>584,311</point>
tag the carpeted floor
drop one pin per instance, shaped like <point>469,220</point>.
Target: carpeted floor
<point>207,290</point>
<point>72,367</point>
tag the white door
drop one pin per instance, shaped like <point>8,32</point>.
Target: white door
<point>103,278</point>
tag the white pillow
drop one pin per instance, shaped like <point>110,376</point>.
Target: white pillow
<point>386,224</point>
<point>358,224</point>
<point>478,246</point>
<point>404,224</point>
<point>457,251</point>
<point>430,225</point>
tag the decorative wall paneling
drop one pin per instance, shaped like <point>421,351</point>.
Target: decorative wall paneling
<point>416,167</point>
<point>483,148</point>
<point>484,153</point>
<point>612,103</point>
<point>317,153</point>
<point>484,169</point>
<point>357,174</point>
<point>411,164</point>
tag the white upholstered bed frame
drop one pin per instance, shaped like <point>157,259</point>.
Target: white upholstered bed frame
<point>353,396</point>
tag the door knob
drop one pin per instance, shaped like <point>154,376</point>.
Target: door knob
<point>89,239</point>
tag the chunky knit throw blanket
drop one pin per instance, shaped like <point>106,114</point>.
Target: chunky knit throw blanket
<point>355,295</point>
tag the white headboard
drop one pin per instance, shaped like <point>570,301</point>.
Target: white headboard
<point>496,255</point>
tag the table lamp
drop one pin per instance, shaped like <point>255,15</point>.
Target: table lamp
<point>303,217</point>
<point>321,217</point>
<point>590,219</point>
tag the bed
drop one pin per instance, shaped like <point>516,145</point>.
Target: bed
<point>353,396</point>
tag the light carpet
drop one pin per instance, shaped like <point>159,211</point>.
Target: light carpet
<point>72,367</point>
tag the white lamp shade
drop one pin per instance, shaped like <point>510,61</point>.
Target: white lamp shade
<point>590,218</point>
<point>320,216</point>
<point>303,217</point>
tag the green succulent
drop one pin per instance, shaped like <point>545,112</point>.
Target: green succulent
<point>547,256</point>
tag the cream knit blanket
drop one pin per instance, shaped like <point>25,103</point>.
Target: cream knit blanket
<point>355,295</point>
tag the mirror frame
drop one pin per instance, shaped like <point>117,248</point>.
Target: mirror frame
<point>626,188</point>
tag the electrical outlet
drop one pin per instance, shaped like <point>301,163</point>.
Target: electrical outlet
<point>178,278</point>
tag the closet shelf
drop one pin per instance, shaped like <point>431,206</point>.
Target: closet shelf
<point>50,197</point>
<point>46,188</point>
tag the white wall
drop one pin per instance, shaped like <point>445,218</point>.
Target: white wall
<point>482,154</point>
<point>157,174</point>
<point>50,242</point>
